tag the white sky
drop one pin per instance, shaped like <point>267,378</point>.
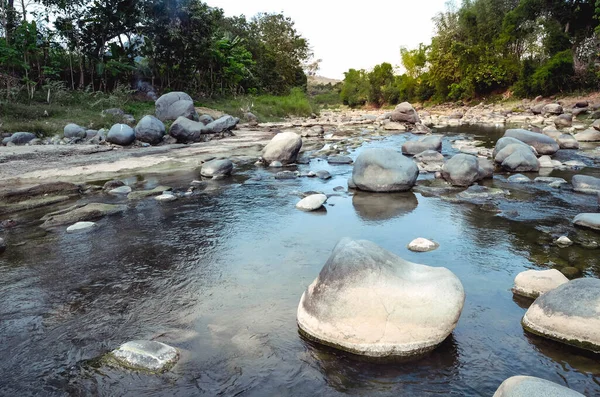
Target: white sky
<point>350,34</point>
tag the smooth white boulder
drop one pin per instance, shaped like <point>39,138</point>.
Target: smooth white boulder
<point>569,314</point>
<point>533,283</point>
<point>422,245</point>
<point>146,355</point>
<point>166,197</point>
<point>529,386</point>
<point>312,202</point>
<point>371,302</point>
<point>589,220</point>
<point>81,226</point>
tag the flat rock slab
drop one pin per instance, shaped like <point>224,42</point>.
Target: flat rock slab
<point>422,245</point>
<point>586,184</point>
<point>533,283</point>
<point>569,314</point>
<point>140,194</point>
<point>120,190</point>
<point>146,356</point>
<point>312,202</point>
<point>370,302</point>
<point>166,198</point>
<point>339,160</point>
<point>81,227</point>
<point>88,212</point>
<point>590,221</point>
<point>529,386</point>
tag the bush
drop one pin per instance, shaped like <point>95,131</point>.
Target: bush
<point>555,75</point>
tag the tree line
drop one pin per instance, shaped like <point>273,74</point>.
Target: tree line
<point>486,47</point>
<point>172,45</point>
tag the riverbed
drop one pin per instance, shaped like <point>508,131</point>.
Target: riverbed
<point>219,276</point>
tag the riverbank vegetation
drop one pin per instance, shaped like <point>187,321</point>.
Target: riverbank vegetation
<point>484,48</point>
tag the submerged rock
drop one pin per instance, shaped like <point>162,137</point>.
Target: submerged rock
<point>569,314</point>
<point>146,355</point>
<point>186,130</point>
<point>371,302</point>
<point>339,160</point>
<point>422,245</point>
<point>284,147</point>
<point>312,202</point>
<point>88,212</point>
<point>81,226</point>
<point>173,105</point>
<point>529,386</point>
<point>590,221</point>
<point>586,184</point>
<point>518,178</point>
<point>384,170</point>
<point>216,168</point>
<point>140,194</point>
<point>533,283</point>
<point>541,143</point>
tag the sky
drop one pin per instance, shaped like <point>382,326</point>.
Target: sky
<point>350,34</point>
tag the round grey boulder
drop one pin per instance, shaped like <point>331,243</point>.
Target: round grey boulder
<point>284,147</point>
<point>589,221</point>
<point>74,131</point>
<point>518,178</point>
<point>225,123</point>
<point>217,167</point>
<point>543,144</point>
<point>384,170</point>
<point>520,159</point>
<point>432,142</point>
<point>121,134</point>
<point>529,386</point>
<point>405,112</point>
<point>463,170</point>
<point>21,138</point>
<point>150,130</point>
<point>144,355</point>
<point>173,105</point>
<point>370,302</point>
<point>569,314</point>
<point>567,141</point>
<point>533,283</point>
<point>586,184</point>
<point>186,130</point>
<point>206,119</point>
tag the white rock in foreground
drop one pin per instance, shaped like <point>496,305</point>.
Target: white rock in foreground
<point>81,226</point>
<point>529,386</point>
<point>533,283</point>
<point>166,197</point>
<point>312,202</point>
<point>120,190</point>
<point>371,302</point>
<point>146,355</point>
<point>422,245</point>
<point>569,314</point>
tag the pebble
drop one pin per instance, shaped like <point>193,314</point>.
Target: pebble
<point>81,226</point>
<point>422,245</point>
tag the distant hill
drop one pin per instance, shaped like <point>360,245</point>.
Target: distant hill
<point>318,80</point>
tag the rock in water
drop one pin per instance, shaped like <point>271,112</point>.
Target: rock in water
<point>422,245</point>
<point>432,142</point>
<point>518,178</point>
<point>520,160</point>
<point>312,202</point>
<point>463,170</point>
<point>146,355</point>
<point>284,147</point>
<point>214,168</point>
<point>543,144</point>
<point>80,227</point>
<point>88,212</point>
<point>589,135</point>
<point>529,386</point>
<point>567,141</point>
<point>74,131</point>
<point>569,314</point>
<point>590,221</point>
<point>371,302</point>
<point>166,197</point>
<point>120,190</point>
<point>2,245</point>
<point>150,130</point>
<point>384,170</point>
<point>586,184</point>
<point>533,283</point>
<point>173,105</point>
<point>121,134</point>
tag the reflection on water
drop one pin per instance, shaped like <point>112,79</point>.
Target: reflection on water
<point>219,276</point>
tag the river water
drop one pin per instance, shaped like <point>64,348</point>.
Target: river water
<point>219,276</point>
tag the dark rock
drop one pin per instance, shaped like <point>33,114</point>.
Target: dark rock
<point>150,130</point>
<point>121,134</point>
<point>541,143</point>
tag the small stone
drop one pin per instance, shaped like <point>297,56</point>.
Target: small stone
<point>422,245</point>
<point>589,220</point>
<point>533,283</point>
<point>146,356</point>
<point>312,202</point>
<point>81,226</point>
<point>323,174</point>
<point>166,197</point>
<point>518,178</point>
<point>276,164</point>
<point>120,190</point>
<point>339,160</point>
<point>564,241</point>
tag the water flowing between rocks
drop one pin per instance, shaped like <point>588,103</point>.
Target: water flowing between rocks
<point>219,276</point>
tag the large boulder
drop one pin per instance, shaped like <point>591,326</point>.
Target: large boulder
<point>589,220</point>
<point>567,141</point>
<point>552,108</point>
<point>541,143</point>
<point>504,142</point>
<point>121,134</point>
<point>284,147</point>
<point>586,184</point>
<point>589,135</point>
<point>569,314</point>
<point>217,167</point>
<point>521,160</point>
<point>173,105</point>
<point>465,169</point>
<point>405,113</point>
<point>145,355</point>
<point>563,121</point>
<point>371,302</point>
<point>150,130</point>
<point>529,386</point>
<point>74,131</point>
<point>21,138</point>
<point>432,142</point>
<point>186,130</point>
<point>384,170</point>
<point>533,283</point>
<point>225,123</point>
